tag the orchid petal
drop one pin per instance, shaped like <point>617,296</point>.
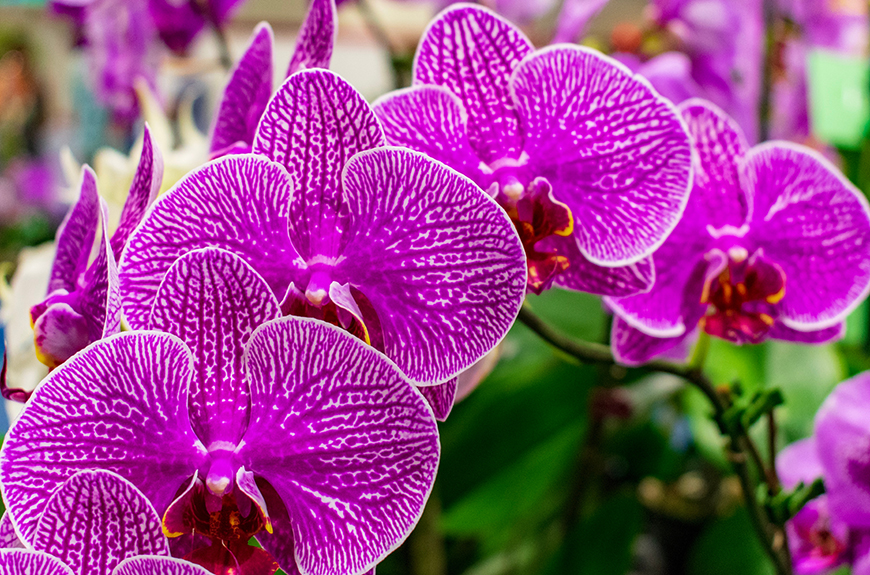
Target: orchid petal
<point>439,261</point>
<point>682,265</point>
<point>237,203</point>
<point>212,300</point>
<point>468,380</point>
<point>312,126</point>
<point>842,434</point>
<point>614,150</point>
<point>472,52</point>
<point>246,94</point>
<point>816,226</point>
<point>95,520</point>
<point>59,333</point>
<point>440,398</point>
<point>101,291</point>
<point>120,405</point>
<point>720,147</point>
<point>799,462</point>
<point>633,347</point>
<point>156,565</point>
<point>19,561</point>
<point>431,120</point>
<point>828,335</point>
<point>361,443</point>
<point>316,37</point>
<point>76,235</point>
<point>573,18</point>
<point>583,275</point>
<point>143,192</point>
<point>8,538</point>
<point>279,543</point>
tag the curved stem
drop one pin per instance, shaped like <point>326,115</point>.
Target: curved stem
<point>738,442</point>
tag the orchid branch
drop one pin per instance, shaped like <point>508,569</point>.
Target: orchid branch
<point>740,446</point>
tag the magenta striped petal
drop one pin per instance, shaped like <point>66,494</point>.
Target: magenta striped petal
<point>720,147</point>
<point>312,126</point>
<point>237,203</point>
<point>439,261</point>
<point>815,225</point>
<point>119,405</point>
<point>359,438</point>
<point>440,398</point>
<point>8,538</point>
<point>156,565</point>
<point>76,235</point>
<point>316,37</point>
<point>143,192</point>
<point>21,562</point>
<point>633,347</point>
<point>583,275</point>
<point>828,335</point>
<point>212,300</point>
<point>614,151</point>
<point>472,52</point>
<point>100,289</point>
<point>246,94</point>
<point>432,120</point>
<point>95,520</point>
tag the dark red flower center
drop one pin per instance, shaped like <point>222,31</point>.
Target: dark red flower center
<point>743,299</point>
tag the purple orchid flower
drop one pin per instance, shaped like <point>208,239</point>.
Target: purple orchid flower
<point>250,85</point>
<point>96,523</point>
<point>83,302</point>
<point>394,247</point>
<point>819,542</point>
<point>591,165</point>
<point>773,244</point>
<point>294,432</point>
<point>179,23</point>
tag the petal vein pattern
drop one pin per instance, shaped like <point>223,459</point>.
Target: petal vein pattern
<point>354,472</point>
<point>238,203</point>
<point>119,405</point>
<point>438,260</point>
<point>19,561</point>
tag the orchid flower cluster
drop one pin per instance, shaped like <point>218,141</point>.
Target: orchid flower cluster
<point>298,311</point>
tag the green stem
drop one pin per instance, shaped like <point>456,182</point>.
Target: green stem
<point>738,442</point>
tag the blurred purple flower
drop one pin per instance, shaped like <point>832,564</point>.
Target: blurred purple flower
<point>724,40</point>
<point>294,431</point>
<point>773,244</point>
<point>95,523</point>
<point>669,73</point>
<point>590,164</point>
<point>83,301</point>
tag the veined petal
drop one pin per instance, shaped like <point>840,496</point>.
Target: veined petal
<point>95,520</point>
<point>720,147</point>
<point>246,94</point>
<point>360,441</point>
<point>316,37</point>
<point>799,462</point>
<point>440,398</point>
<point>673,305</point>
<point>237,203</point>
<point>814,224</point>
<point>143,192</point>
<point>472,52</point>
<point>18,561</point>
<point>101,291</point>
<point>76,235</point>
<point>583,275</point>
<point>431,120</point>
<point>120,405</point>
<point>633,347</point>
<point>843,437</point>
<point>156,565</point>
<point>439,261</point>
<point>279,543</point>
<point>8,538</point>
<point>614,150</point>
<point>312,126</point>
<point>212,300</point>
<point>827,335</point>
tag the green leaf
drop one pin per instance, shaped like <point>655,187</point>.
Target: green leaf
<point>839,104</point>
